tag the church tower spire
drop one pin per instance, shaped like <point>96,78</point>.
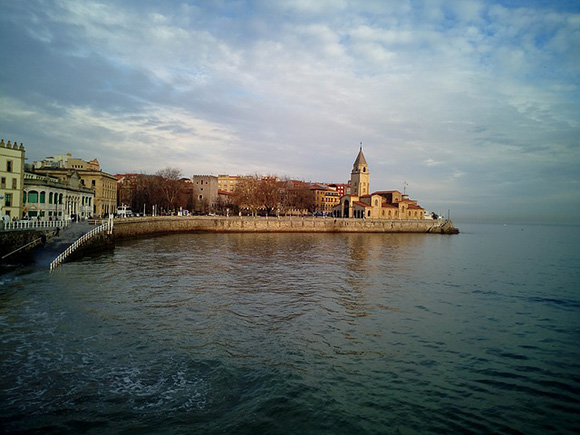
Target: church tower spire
<point>360,177</point>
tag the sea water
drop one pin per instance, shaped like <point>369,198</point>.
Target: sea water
<point>299,333</point>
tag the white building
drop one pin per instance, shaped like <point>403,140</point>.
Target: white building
<point>49,198</point>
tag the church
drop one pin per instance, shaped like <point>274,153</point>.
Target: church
<point>361,204</point>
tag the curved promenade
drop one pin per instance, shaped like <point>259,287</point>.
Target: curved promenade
<point>136,227</point>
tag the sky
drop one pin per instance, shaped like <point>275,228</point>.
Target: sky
<point>471,106</point>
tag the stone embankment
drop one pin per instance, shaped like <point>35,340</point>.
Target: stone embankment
<point>136,227</point>
<point>15,245</point>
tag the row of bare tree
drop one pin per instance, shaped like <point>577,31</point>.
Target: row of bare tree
<point>169,191</point>
<point>165,190</point>
<point>271,195</point>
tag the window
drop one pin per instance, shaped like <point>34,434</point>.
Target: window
<point>14,183</point>
<point>3,182</point>
<point>9,166</point>
<point>42,197</point>
<point>50,197</point>
<point>33,196</point>
<point>8,200</point>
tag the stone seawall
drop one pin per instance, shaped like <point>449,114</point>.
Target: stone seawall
<point>12,240</point>
<point>136,227</point>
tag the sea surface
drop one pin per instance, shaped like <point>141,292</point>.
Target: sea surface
<point>299,334</point>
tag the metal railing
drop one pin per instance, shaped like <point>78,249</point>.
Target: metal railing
<point>108,226</point>
<point>34,242</point>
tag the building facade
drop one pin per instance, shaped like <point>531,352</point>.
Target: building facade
<point>325,198</point>
<point>50,198</point>
<point>91,176</point>
<point>12,157</point>
<point>205,192</point>
<point>228,183</point>
<point>390,204</point>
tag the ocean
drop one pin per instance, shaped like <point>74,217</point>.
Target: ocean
<point>299,334</point>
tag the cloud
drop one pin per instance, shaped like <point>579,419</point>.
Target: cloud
<point>460,99</point>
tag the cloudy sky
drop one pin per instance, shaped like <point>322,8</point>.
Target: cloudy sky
<point>474,104</point>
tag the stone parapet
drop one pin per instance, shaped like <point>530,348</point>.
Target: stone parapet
<point>136,227</point>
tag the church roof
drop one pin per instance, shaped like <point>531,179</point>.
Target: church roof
<point>384,192</point>
<point>360,160</point>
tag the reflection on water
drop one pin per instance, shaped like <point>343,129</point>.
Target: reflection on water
<point>300,333</point>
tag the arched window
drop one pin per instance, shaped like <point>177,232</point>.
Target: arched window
<point>50,197</point>
<point>42,197</point>
<point>33,196</point>
<point>60,199</point>
<point>24,197</point>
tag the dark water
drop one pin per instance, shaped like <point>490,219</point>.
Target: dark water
<point>307,333</point>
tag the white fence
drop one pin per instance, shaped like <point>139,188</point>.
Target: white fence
<point>34,225</point>
<point>80,242</point>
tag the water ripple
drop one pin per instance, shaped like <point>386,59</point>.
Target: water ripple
<point>302,333</point>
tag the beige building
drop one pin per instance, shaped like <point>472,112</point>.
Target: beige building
<point>12,158</point>
<point>228,183</point>
<point>325,198</point>
<point>205,192</point>
<point>390,204</point>
<point>91,176</point>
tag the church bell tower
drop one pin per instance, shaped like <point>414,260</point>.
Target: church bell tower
<point>360,177</point>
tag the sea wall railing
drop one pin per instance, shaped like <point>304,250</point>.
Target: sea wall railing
<point>35,225</point>
<point>33,243</point>
<point>107,226</point>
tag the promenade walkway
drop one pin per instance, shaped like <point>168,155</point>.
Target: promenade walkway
<point>44,255</point>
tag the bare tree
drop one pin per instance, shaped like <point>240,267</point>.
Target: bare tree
<point>146,192</point>
<point>170,185</point>
<point>269,193</point>
<point>296,196</point>
<point>246,194</point>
